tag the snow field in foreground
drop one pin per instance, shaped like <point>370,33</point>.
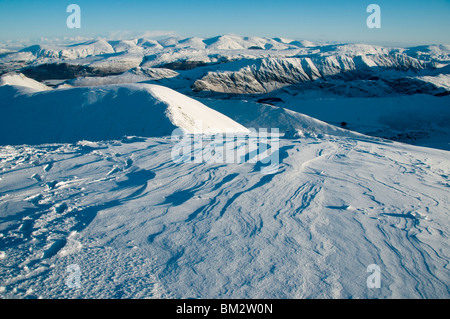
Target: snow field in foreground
<point>139,225</point>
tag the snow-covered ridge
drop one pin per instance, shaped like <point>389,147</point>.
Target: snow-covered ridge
<point>134,75</point>
<point>21,81</point>
<point>438,53</point>
<point>225,42</point>
<point>75,51</point>
<point>113,111</point>
<point>268,74</point>
<point>101,113</point>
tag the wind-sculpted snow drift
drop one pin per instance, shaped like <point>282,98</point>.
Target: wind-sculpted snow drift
<point>98,200</point>
<point>139,225</point>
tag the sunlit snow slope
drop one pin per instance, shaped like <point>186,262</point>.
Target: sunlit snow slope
<point>32,116</point>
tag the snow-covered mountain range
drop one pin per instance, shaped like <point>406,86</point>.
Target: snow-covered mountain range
<point>243,65</point>
<point>275,71</point>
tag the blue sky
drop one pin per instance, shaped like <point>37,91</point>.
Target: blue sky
<point>402,22</point>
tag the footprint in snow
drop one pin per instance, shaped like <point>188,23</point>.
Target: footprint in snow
<point>128,163</point>
<point>37,177</point>
<point>34,199</point>
<point>52,184</point>
<point>48,167</point>
<point>60,208</point>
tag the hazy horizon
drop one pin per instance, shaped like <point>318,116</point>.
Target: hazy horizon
<point>403,23</point>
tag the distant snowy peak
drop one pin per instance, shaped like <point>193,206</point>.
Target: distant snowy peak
<point>148,43</point>
<point>350,49</point>
<point>437,53</point>
<point>227,42</point>
<point>235,42</point>
<point>21,81</point>
<point>193,43</point>
<point>267,74</point>
<point>75,51</point>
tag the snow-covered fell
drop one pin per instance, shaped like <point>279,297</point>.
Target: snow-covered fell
<point>133,75</point>
<point>22,82</point>
<point>102,113</point>
<point>269,74</point>
<point>71,52</point>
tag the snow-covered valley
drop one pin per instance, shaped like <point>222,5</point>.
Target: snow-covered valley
<point>93,203</point>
